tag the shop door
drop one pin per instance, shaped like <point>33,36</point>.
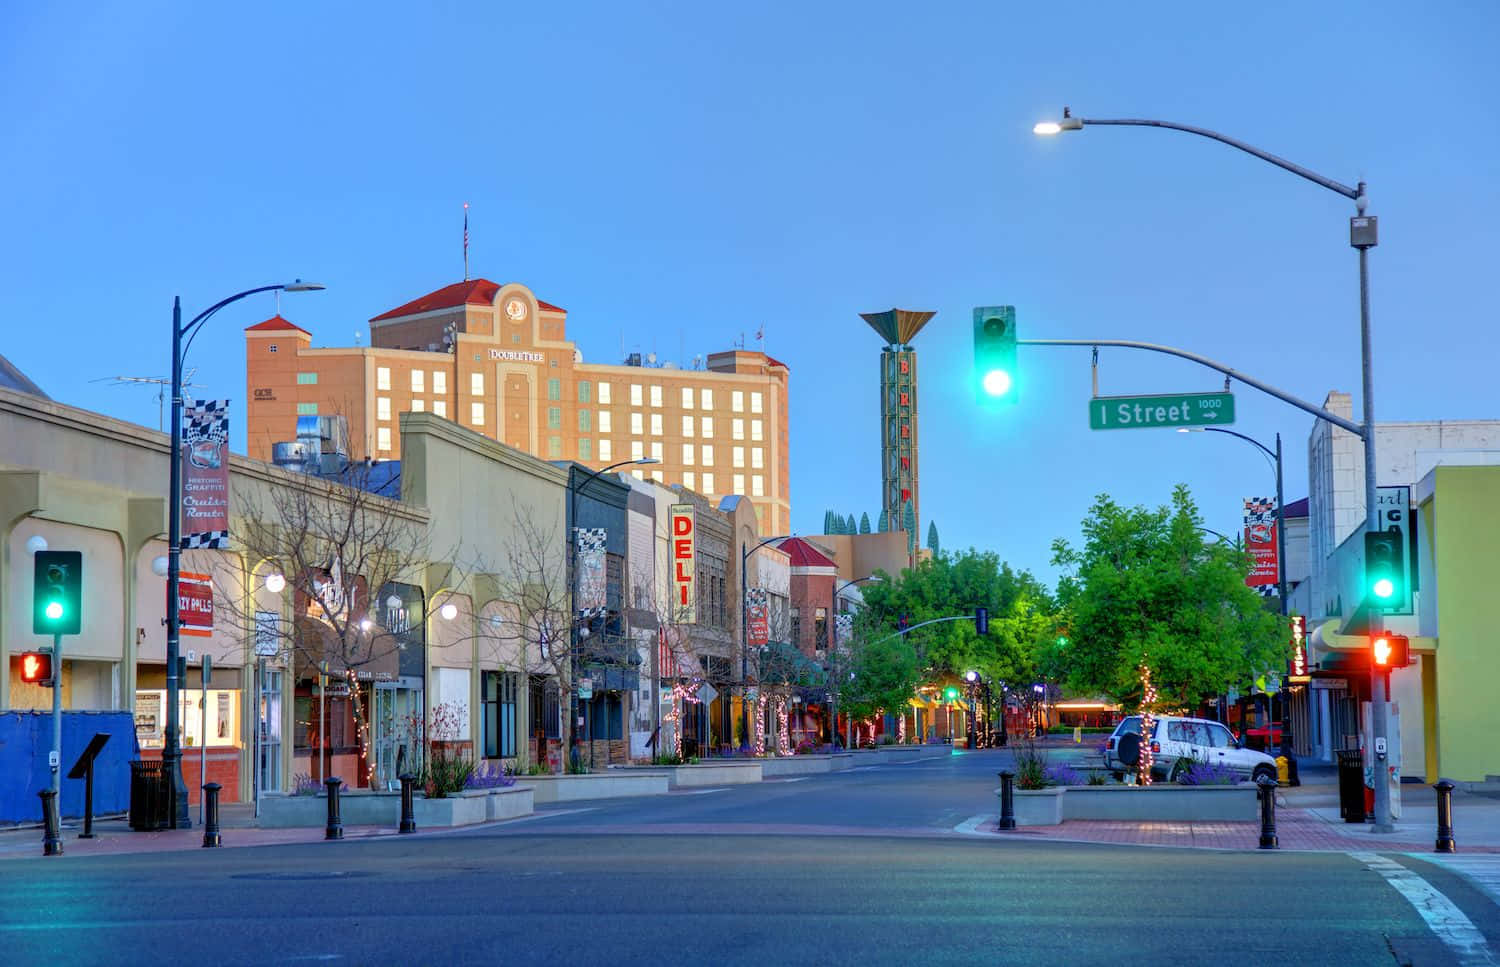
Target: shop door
<point>268,706</point>
<point>398,711</point>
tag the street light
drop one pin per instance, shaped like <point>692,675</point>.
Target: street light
<point>1275,457</point>
<point>1363,237</point>
<point>745,553</point>
<point>573,595</point>
<point>171,753</point>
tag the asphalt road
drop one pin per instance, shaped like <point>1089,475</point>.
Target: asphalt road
<point>736,876</point>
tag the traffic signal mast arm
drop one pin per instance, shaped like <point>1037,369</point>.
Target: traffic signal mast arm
<point>923,624</point>
<point>1322,414</point>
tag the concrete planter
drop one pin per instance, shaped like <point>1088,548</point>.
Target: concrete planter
<point>1038,807</point>
<point>715,772</point>
<point>1164,802</point>
<point>509,802</point>
<point>456,809</point>
<point>797,765</point>
<point>909,753</point>
<point>615,783</point>
<point>384,808</point>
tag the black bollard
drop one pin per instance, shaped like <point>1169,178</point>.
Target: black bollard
<point>408,819</point>
<point>211,814</point>
<point>1267,792</point>
<point>1445,843</point>
<point>1007,801</point>
<point>335,829</point>
<point>52,838</point>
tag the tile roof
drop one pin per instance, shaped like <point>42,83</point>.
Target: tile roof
<point>275,324</point>
<point>473,292</point>
<point>1297,508</point>
<point>803,554</point>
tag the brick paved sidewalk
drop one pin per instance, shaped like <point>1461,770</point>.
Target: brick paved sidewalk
<point>1296,829</point>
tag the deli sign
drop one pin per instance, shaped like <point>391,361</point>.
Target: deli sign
<point>684,553</point>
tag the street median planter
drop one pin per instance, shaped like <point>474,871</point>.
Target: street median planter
<point>1162,802</point>
<point>1038,807</point>
<point>278,811</point>
<point>508,802</point>
<point>909,753</point>
<point>715,772</point>
<point>797,765</point>
<point>617,782</point>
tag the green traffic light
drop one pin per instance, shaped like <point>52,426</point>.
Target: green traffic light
<point>54,610</point>
<point>997,382</point>
<point>1384,588</point>
<point>995,364</point>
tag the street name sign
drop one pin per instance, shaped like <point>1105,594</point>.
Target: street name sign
<point>1155,412</point>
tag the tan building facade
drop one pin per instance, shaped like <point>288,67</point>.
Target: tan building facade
<point>496,359</point>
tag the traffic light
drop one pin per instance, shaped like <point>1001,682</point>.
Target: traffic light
<point>57,593</point>
<point>902,623</point>
<point>951,693</point>
<point>1385,570</point>
<point>995,374</point>
<point>36,668</point>
<point>1390,651</point>
<point>982,621</point>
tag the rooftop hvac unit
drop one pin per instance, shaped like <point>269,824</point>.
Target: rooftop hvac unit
<point>634,359</point>
<point>289,455</point>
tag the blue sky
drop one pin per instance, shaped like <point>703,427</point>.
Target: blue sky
<point>678,174</point>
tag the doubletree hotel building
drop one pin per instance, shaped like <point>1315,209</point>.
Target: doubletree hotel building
<point>497,359</point>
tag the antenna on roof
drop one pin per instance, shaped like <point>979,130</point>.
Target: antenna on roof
<point>466,241</point>
<point>161,383</point>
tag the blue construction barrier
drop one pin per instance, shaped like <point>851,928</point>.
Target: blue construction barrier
<point>25,740</point>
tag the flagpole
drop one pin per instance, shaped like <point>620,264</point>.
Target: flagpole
<point>466,241</point>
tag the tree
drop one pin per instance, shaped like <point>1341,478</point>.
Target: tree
<point>885,677</point>
<point>1146,592</point>
<point>909,524</point>
<point>885,520</point>
<point>864,523</point>
<point>829,524</point>
<point>932,537</point>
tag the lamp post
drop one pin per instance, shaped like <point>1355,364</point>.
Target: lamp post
<point>171,753</point>
<point>972,677</point>
<point>573,595</point>
<point>1274,456</point>
<point>745,552</point>
<point>1363,237</point>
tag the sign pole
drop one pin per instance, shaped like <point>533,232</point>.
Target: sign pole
<point>55,759</point>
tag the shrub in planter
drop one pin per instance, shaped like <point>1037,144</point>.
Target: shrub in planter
<point>1207,774</point>
<point>1031,766</point>
<point>1062,774</point>
<point>486,777</point>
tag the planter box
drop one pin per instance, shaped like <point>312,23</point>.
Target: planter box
<point>797,765</point>
<point>615,783</point>
<point>910,753</point>
<point>1038,807</point>
<point>1164,802</point>
<point>384,808</point>
<point>509,802</point>
<point>459,809</point>
<point>725,772</point>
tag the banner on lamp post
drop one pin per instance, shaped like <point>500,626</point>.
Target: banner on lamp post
<point>1260,541</point>
<point>590,563</point>
<point>205,474</point>
<point>758,621</point>
<point>195,604</point>
<point>684,547</point>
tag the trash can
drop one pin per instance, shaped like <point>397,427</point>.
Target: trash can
<point>150,796</point>
<point>1351,786</point>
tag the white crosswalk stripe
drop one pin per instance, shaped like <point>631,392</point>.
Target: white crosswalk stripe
<point>1443,917</point>
<point>1481,869</point>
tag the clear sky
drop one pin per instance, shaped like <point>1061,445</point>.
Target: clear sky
<point>679,174</point>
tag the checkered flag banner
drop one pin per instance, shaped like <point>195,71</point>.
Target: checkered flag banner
<point>1260,528</point>
<point>844,626</point>
<point>590,563</point>
<point>205,474</point>
<point>756,598</point>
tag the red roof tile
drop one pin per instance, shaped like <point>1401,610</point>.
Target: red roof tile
<point>803,554</point>
<point>275,324</point>
<point>474,292</point>
<point>776,362</point>
<point>549,307</point>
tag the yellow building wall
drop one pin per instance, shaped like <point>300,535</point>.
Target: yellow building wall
<point>1465,537</point>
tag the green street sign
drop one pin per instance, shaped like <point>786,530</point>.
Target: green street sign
<point>1156,412</point>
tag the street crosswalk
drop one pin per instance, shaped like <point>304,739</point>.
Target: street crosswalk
<point>1481,869</point>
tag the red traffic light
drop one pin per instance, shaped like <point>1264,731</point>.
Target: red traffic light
<point>1390,651</point>
<point>36,668</point>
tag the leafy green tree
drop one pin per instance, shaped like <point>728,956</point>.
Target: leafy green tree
<point>864,523</point>
<point>1144,589</point>
<point>885,677</point>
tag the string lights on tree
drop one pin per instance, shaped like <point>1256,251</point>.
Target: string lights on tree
<point>1148,725</point>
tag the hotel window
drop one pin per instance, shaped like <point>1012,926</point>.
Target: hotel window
<point>687,397</point>
<point>706,399</point>
<point>554,389</point>
<point>739,483</point>
<point>737,401</point>
<point>755,430</point>
<point>757,457</point>
<point>708,483</point>
<point>637,450</point>
<point>708,428</point>
<point>656,424</point>
<point>637,423</point>
<point>687,426</point>
<point>708,454</point>
<point>737,428</point>
<point>688,479</point>
<point>656,450</point>
<point>738,456</point>
<point>636,396</point>
<point>418,381</point>
<point>605,421</point>
<point>307,409</point>
<point>585,391</point>
<point>382,407</point>
<point>440,407</point>
<point>439,381</point>
<point>755,402</point>
<point>656,475</point>
<point>606,451</point>
<point>554,448</point>
<point>656,396</point>
<point>554,418</point>
<point>585,449</point>
<point>476,384</point>
<point>383,438</point>
<point>687,454</point>
<point>307,379</point>
<point>585,421</point>
<point>383,378</point>
<point>604,393</point>
<point>476,414</point>
<point>757,485</point>
<point>417,406</point>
